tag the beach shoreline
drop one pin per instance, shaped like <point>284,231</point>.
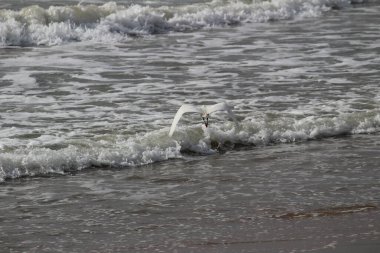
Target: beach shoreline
<point>231,202</point>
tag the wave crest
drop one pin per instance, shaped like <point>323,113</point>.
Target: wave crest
<point>120,151</point>
<point>34,25</point>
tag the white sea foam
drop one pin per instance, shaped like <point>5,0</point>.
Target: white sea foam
<point>120,151</point>
<point>21,78</point>
<point>109,22</point>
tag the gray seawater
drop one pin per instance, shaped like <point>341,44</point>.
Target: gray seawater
<point>88,92</point>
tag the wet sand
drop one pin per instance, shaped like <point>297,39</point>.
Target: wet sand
<point>282,198</point>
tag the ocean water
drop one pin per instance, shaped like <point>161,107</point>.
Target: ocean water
<point>88,92</point>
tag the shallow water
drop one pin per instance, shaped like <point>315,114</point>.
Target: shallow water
<point>87,95</point>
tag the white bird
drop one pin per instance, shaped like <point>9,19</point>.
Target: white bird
<point>205,111</point>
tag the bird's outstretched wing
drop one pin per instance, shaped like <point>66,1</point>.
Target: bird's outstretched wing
<point>221,107</point>
<point>183,109</point>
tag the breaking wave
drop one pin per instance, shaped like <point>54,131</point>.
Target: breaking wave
<point>111,22</point>
<point>120,151</point>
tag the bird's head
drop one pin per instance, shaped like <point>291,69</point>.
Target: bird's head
<point>205,118</point>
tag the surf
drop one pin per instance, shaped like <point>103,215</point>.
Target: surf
<point>116,23</point>
<point>120,151</point>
